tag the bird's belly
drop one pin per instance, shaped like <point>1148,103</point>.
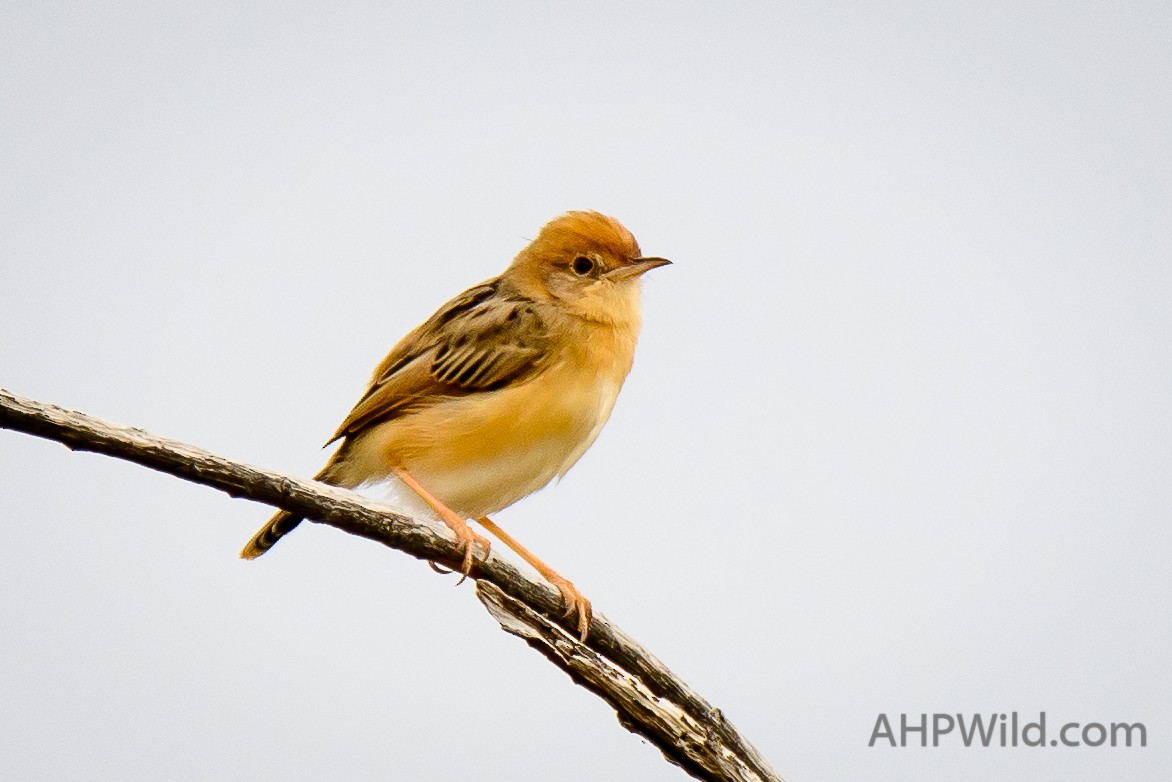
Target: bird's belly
<point>476,487</point>
<point>481,453</point>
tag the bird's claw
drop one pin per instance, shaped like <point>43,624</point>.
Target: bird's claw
<point>468,540</point>
<point>575,602</point>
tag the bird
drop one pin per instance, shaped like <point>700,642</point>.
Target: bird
<point>502,390</point>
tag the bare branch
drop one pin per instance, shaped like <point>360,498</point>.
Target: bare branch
<point>649,699</point>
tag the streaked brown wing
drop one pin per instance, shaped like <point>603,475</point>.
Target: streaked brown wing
<point>482,340</point>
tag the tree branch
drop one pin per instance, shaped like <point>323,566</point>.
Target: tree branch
<point>649,699</point>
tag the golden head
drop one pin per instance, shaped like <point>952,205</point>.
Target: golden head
<point>587,262</point>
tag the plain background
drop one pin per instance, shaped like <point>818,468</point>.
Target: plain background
<point>898,437</point>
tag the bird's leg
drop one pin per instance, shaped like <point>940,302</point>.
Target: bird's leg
<point>575,600</point>
<point>464,534</point>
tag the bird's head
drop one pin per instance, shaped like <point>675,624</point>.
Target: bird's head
<point>589,264</point>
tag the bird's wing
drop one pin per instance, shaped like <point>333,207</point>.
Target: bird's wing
<point>482,340</point>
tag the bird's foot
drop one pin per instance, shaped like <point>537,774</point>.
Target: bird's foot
<point>467,539</point>
<point>575,602</point>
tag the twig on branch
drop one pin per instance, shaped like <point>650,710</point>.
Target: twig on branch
<point>649,699</point>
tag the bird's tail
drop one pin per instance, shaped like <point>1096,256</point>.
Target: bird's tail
<point>283,522</point>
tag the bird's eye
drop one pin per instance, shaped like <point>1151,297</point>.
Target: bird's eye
<point>582,266</point>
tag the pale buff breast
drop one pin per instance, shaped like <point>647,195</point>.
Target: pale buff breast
<point>482,453</point>
<point>518,443</point>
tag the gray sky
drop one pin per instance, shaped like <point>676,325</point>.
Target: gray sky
<point>898,437</point>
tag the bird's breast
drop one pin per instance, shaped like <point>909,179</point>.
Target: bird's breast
<point>481,453</point>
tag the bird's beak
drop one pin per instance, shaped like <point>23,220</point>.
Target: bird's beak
<point>635,268</point>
